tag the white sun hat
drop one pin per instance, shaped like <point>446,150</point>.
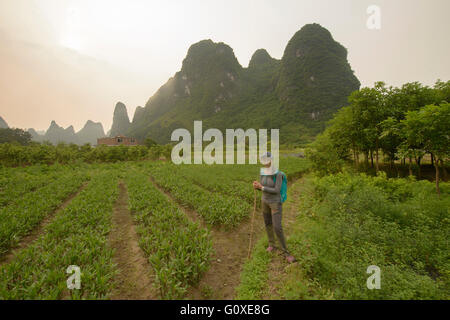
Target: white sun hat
<point>265,159</point>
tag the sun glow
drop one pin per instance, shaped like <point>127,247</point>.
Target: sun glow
<point>72,42</point>
<point>70,36</point>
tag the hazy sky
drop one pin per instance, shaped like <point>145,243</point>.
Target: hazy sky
<point>126,49</point>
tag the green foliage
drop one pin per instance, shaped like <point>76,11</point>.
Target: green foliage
<point>157,151</point>
<point>429,128</point>
<point>16,182</point>
<point>254,276</point>
<point>315,77</point>
<point>212,178</point>
<point>221,194</point>
<point>399,121</point>
<point>76,236</point>
<point>8,135</point>
<point>149,142</point>
<point>20,217</point>
<point>179,249</point>
<point>16,155</point>
<point>216,209</point>
<point>324,155</point>
<point>347,222</point>
<point>353,221</point>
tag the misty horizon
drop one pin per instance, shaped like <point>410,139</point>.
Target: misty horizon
<point>72,62</point>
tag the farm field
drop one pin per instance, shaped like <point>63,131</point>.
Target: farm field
<point>339,225</point>
<point>154,230</point>
<point>136,230</point>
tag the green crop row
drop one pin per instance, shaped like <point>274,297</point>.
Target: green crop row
<point>231,181</point>
<point>215,209</point>
<point>76,236</point>
<point>19,218</point>
<point>15,182</point>
<point>179,249</point>
<point>210,178</point>
<point>237,180</point>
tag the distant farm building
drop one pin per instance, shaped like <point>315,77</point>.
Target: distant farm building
<point>117,141</point>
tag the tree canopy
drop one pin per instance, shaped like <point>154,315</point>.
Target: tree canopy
<point>405,122</point>
<point>14,135</point>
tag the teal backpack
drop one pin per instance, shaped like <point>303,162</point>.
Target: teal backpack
<point>283,190</point>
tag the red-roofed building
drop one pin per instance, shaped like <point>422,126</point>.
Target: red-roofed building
<point>117,141</point>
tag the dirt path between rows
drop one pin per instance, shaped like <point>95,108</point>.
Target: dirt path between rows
<point>134,280</point>
<point>39,230</point>
<point>230,254</point>
<point>278,265</point>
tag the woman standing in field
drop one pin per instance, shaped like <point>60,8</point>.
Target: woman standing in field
<point>270,184</point>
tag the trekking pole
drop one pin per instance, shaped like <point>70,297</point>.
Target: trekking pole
<point>251,225</point>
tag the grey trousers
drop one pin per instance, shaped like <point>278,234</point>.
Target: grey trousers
<point>272,213</point>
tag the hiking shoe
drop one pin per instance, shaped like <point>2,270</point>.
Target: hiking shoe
<point>269,249</point>
<point>290,259</point>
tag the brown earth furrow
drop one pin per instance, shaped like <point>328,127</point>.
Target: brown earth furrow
<point>230,254</point>
<point>134,280</point>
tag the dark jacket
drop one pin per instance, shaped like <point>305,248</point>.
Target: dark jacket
<point>271,192</point>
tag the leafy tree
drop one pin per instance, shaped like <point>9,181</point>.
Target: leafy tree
<point>149,142</point>
<point>373,121</point>
<point>442,91</point>
<point>343,134</point>
<point>369,110</point>
<point>324,155</point>
<point>430,128</point>
<point>14,135</point>
<point>391,138</point>
<point>413,96</point>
